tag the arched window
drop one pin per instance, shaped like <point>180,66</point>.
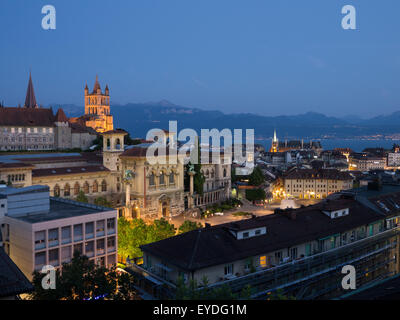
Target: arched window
<point>162,178</point>
<point>172,178</point>
<point>86,187</point>
<point>77,188</point>
<point>108,144</point>
<point>104,186</point>
<point>212,173</point>
<point>95,187</point>
<point>152,179</point>
<point>118,144</point>
<point>67,190</point>
<point>224,172</point>
<point>207,173</point>
<point>57,190</point>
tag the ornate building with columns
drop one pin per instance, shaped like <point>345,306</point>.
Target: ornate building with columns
<point>154,188</point>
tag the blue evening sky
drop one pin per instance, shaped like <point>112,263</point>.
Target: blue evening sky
<point>260,56</point>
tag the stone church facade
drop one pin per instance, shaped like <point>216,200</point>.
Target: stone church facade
<point>32,128</point>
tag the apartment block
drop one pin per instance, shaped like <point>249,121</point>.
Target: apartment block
<point>316,184</point>
<point>299,251</point>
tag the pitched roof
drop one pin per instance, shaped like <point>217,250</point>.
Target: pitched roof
<point>331,174</point>
<point>12,280</point>
<point>60,116</point>
<point>36,173</point>
<point>30,100</point>
<point>26,117</point>
<point>140,151</point>
<point>217,245</point>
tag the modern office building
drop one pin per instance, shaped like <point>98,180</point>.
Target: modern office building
<point>39,230</point>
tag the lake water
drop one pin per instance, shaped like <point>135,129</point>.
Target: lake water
<point>356,145</point>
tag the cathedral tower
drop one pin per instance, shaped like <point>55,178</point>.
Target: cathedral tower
<point>97,108</point>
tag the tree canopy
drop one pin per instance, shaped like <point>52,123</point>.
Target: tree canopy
<point>82,279</point>
<point>134,233</point>
<point>189,226</point>
<point>256,178</point>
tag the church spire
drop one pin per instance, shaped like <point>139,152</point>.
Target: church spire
<point>96,85</point>
<point>30,100</point>
<point>275,139</point>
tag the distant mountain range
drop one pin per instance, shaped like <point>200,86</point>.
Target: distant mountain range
<point>138,118</point>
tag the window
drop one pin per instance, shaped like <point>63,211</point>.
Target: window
<point>89,230</point>
<point>104,186</point>
<point>100,228</point>
<point>171,178</point>
<point>78,232</point>
<point>53,237</point>
<point>77,188</point>
<point>56,190</point>
<point>110,244</point>
<point>78,247</point>
<point>40,240</point>
<point>228,270</point>
<point>89,249</point>
<point>111,226</point>
<point>95,187</point>
<point>258,231</point>
<point>65,234</point>
<point>67,190</point>
<point>66,254</point>
<point>248,263</point>
<point>162,178</point>
<point>152,180</point>
<point>86,187</point>
<point>245,234</point>
<point>293,253</point>
<point>278,257</point>
<point>100,246</point>
<point>40,259</point>
<point>263,261</point>
<point>53,257</point>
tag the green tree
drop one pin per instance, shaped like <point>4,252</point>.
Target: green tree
<point>131,235</point>
<point>82,279</point>
<point>160,229</point>
<point>82,197</point>
<point>134,233</point>
<point>255,194</point>
<point>256,178</point>
<point>189,226</point>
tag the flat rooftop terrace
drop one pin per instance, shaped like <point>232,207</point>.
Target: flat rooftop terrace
<point>63,209</point>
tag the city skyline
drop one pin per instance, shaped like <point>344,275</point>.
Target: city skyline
<point>280,59</point>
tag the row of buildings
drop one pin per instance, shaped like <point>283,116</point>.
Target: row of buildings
<point>300,252</point>
<point>34,128</point>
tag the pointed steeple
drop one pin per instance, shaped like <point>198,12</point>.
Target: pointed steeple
<point>30,100</point>
<point>96,85</point>
<point>275,139</point>
<point>60,116</point>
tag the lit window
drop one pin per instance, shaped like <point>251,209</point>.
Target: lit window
<point>263,261</point>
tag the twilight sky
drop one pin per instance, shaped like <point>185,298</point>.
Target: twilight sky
<point>259,56</point>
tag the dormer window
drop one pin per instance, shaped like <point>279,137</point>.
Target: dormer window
<point>245,234</point>
<point>334,214</point>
